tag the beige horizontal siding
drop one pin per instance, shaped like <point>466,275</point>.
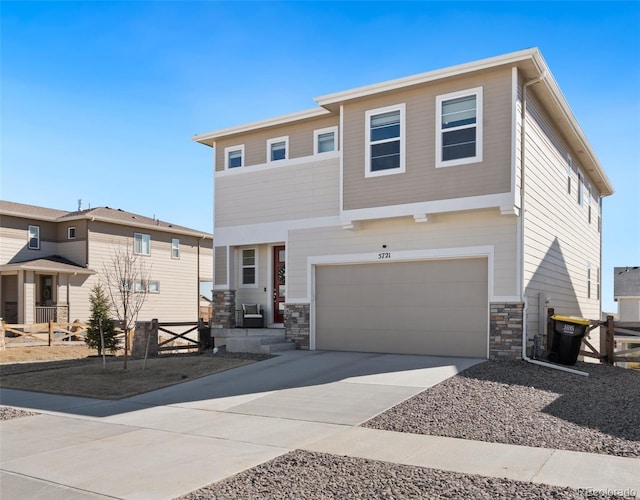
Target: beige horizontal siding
<point>559,240</point>
<point>220,267</point>
<point>255,142</point>
<point>282,193</point>
<point>447,231</point>
<point>422,181</point>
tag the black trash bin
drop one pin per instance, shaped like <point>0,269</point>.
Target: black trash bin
<point>204,337</point>
<point>568,332</point>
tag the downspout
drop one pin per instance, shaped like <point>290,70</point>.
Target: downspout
<point>523,143</point>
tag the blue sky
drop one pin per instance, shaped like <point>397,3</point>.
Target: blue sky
<point>100,99</point>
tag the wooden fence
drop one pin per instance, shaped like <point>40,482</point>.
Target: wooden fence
<point>50,333</point>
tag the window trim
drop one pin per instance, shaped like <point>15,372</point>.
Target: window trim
<point>71,229</point>
<point>175,247</point>
<point>588,279</point>
<point>157,290</point>
<point>440,99</point>
<point>231,149</point>
<point>275,140</point>
<point>368,143</point>
<point>148,237</point>
<point>254,266</point>
<point>569,173</point>
<point>36,237</point>
<point>580,189</point>
<point>316,135</point>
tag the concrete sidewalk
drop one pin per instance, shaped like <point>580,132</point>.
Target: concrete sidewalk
<point>169,442</point>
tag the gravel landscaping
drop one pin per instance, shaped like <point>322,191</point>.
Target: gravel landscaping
<point>516,402</point>
<point>7,413</point>
<point>304,475</point>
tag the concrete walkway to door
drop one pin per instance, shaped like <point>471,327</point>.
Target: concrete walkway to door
<point>168,442</point>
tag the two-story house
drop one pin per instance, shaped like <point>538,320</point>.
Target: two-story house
<point>50,260</point>
<point>432,214</point>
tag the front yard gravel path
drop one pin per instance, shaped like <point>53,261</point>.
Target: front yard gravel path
<point>520,403</point>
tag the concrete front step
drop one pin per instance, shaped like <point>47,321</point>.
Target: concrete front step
<point>271,341</point>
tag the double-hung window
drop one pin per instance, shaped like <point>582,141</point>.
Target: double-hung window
<point>234,157</point>
<point>324,140</point>
<point>278,149</point>
<point>34,237</point>
<point>249,267</point>
<point>459,128</point>
<point>385,138</point>
<point>175,248</point>
<point>71,233</point>
<point>141,244</point>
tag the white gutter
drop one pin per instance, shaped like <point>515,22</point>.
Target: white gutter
<point>522,212</point>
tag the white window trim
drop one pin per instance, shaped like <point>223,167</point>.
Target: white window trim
<point>274,140</point>
<point>75,232</point>
<point>157,290</point>
<point>477,91</point>
<point>569,173</point>
<point>37,237</point>
<point>255,266</point>
<point>178,248</point>
<point>134,243</point>
<point>317,133</point>
<point>230,149</point>
<point>367,141</point>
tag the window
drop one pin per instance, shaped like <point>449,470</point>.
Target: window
<point>580,189</point>
<point>71,233</point>
<point>569,170</point>
<point>459,128</point>
<point>141,244</point>
<point>385,141</point>
<point>34,237</point>
<point>249,267</point>
<point>597,283</point>
<point>141,286</point>
<point>324,140</point>
<point>589,201</point>
<point>175,248</point>
<point>277,149</point>
<point>234,157</point>
<point>588,280</point>
<point>153,286</point>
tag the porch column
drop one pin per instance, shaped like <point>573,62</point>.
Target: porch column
<point>223,309</point>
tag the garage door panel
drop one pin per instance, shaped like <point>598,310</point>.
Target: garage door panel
<point>428,307</point>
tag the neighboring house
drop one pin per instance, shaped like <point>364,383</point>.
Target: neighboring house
<point>626,291</point>
<point>51,259</point>
<point>425,215</point>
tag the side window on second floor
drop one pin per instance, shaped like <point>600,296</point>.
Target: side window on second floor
<point>234,157</point>
<point>141,244</point>
<point>278,149</point>
<point>34,238</point>
<point>175,248</point>
<point>71,233</point>
<point>324,140</point>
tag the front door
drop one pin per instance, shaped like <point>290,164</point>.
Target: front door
<point>278,284</point>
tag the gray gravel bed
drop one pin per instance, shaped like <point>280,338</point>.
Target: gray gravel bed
<point>305,475</point>
<point>516,402</point>
<point>7,413</point>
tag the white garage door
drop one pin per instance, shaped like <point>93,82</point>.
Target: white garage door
<point>424,307</point>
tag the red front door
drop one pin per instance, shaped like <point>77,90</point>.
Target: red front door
<point>278,284</point>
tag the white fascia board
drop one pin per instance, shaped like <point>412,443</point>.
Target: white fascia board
<point>22,215</point>
<point>500,200</point>
<point>429,76</point>
<point>210,137</point>
<point>268,232</point>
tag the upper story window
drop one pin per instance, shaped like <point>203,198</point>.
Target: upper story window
<point>324,140</point>
<point>459,128</point>
<point>71,233</point>
<point>569,171</point>
<point>175,248</point>
<point>249,267</point>
<point>234,157</point>
<point>384,130</point>
<point>278,149</point>
<point>580,189</point>
<point>141,244</point>
<point>34,238</point>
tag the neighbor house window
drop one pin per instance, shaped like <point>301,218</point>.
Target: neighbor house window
<point>580,189</point>
<point>277,149</point>
<point>139,286</point>
<point>153,286</point>
<point>249,267</point>
<point>141,244</point>
<point>175,248</point>
<point>459,128</point>
<point>71,233</point>
<point>234,157</point>
<point>384,128</point>
<point>597,283</point>
<point>588,280</point>
<point>34,237</point>
<point>569,170</point>
<point>324,140</point>
<point>589,202</point>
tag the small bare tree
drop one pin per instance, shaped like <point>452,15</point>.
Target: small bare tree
<point>127,283</point>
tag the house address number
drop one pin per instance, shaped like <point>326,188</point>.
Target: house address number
<point>384,255</point>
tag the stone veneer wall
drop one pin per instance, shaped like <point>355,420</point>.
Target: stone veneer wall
<point>145,330</point>
<point>505,336</point>
<point>297,325</point>
<point>223,309</point>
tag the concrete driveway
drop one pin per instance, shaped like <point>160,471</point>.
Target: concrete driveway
<point>168,442</point>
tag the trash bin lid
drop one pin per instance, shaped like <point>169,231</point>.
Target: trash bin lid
<point>571,319</point>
